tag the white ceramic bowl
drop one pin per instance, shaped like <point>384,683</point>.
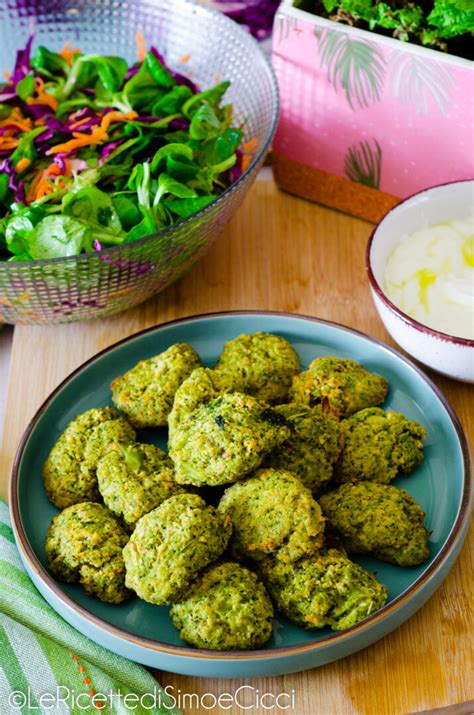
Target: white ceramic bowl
<point>447,354</point>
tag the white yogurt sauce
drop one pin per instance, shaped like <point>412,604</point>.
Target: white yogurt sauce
<point>430,276</point>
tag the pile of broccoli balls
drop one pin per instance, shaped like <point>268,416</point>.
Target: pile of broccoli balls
<point>299,464</point>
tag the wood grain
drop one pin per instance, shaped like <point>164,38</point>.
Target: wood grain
<point>283,253</point>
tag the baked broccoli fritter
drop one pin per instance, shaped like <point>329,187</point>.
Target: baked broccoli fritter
<point>134,479</point>
<point>225,439</point>
<point>272,513</point>
<point>84,543</point>
<point>202,386</point>
<point>313,447</point>
<point>380,520</point>
<point>227,608</point>
<point>378,445</point>
<point>146,392</point>
<point>326,589</point>
<point>260,364</point>
<point>340,386</point>
<point>171,544</point>
<point>69,472</point>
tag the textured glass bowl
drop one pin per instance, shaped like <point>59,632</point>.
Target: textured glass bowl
<point>93,285</point>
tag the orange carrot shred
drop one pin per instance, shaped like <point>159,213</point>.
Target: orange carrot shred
<point>185,58</point>
<point>141,47</point>
<point>42,96</point>
<point>68,52</point>
<point>79,123</point>
<point>251,145</point>
<point>22,165</point>
<point>246,161</point>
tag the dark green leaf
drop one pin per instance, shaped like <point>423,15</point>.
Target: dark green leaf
<point>180,150</point>
<point>211,97</point>
<point>179,169</point>
<point>144,228</point>
<point>50,63</point>
<point>159,73</point>
<point>141,91</point>
<point>127,211</point>
<point>4,190</point>
<point>171,102</point>
<point>187,207</point>
<point>205,123</point>
<point>216,150</point>
<point>168,185</point>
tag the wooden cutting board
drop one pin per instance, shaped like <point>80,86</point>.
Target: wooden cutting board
<point>284,253</point>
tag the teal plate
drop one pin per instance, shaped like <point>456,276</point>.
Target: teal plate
<point>143,632</point>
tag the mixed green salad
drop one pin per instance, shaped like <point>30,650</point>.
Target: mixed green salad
<point>95,153</point>
<point>446,25</point>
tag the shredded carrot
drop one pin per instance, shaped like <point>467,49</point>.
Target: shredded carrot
<point>17,120</point>
<point>79,123</point>
<point>42,96</point>
<point>250,146</point>
<point>8,75</point>
<point>42,184</point>
<point>218,78</point>
<point>97,136</point>
<point>185,58</point>
<point>141,47</point>
<point>246,161</point>
<point>68,52</point>
<point>111,117</point>
<point>8,143</point>
<point>23,164</point>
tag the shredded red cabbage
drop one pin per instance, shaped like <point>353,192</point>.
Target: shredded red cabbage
<point>22,63</point>
<point>14,183</point>
<point>256,15</point>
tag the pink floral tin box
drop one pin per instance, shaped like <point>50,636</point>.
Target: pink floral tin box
<point>367,120</point>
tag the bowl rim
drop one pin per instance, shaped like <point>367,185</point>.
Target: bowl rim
<point>259,156</point>
<point>82,613</point>
<point>377,288</point>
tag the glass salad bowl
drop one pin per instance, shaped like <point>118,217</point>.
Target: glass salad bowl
<point>108,281</point>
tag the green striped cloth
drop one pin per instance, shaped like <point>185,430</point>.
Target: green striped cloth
<point>46,666</point>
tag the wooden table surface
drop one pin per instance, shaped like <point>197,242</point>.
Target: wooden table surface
<point>283,253</point>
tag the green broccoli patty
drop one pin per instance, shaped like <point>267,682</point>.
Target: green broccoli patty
<point>135,479</point>
<point>313,447</point>
<point>84,543</point>
<point>380,520</point>
<point>227,608</point>
<point>146,392</point>
<point>171,544</point>
<point>378,445</point>
<point>272,513</point>
<point>326,589</point>
<point>223,440</point>
<point>69,472</point>
<point>202,386</point>
<point>260,364</point>
<point>341,386</point>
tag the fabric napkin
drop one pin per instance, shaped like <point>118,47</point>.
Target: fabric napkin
<point>46,666</point>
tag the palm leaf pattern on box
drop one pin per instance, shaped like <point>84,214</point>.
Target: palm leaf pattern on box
<point>419,81</point>
<point>285,25</point>
<point>363,164</point>
<point>356,66</point>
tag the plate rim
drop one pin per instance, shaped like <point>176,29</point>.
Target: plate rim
<point>335,638</point>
